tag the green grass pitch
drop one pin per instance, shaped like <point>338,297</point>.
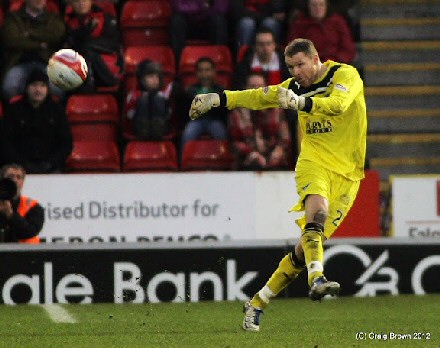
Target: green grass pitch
<point>286,323</point>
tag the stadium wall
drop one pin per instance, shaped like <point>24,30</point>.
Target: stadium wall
<point>198,271</point>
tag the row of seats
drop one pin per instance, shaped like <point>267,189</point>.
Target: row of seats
<point>221,55</point>
<point>149,156</point>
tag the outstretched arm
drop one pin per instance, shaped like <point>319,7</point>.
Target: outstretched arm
<point>254,99</point>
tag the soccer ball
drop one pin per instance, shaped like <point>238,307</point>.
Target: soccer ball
<point>67,69</point>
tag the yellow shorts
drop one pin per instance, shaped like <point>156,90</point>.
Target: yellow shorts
<point>339,191</point>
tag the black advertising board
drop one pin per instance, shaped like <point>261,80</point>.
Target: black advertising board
<point>197,272</point>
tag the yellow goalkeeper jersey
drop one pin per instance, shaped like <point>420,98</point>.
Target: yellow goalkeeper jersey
<point>334,131</point>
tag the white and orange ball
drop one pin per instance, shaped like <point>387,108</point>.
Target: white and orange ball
<point>67,69</point>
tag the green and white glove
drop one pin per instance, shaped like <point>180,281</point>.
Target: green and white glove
<point>202,103</point>
<point>287,99</point>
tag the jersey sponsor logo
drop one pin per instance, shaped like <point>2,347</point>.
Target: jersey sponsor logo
<point>314,127</point>
<point>341,87</point>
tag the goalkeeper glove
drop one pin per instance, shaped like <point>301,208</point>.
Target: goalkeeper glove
<point>287,99</point>
<point>202,103</point>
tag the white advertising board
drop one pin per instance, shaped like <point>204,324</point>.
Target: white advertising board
<point>165,206</point>
<point>416,212</point>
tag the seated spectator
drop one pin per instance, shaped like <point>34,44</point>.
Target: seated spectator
<point>253,14</point>
<point>213,123</point>
<point>328,31</point>
<point>200,19</point>
<point>21,217</point>
<point>148,108</point>
<point>96,36</point>
<point>260,139</point>
<point>263,57</point>
<point>36,133</point>
<point>29,37</point>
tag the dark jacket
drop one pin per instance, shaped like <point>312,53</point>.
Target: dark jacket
<point>97,38</point>
<point>215,113</point>
<point>21,227</point>
<point>39,139</point>
<point>22,35</point>
<point>243,68</point>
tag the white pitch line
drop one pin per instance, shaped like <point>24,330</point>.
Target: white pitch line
<point>58,314</point>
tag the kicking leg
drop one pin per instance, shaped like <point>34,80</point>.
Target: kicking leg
<point>312,240</point>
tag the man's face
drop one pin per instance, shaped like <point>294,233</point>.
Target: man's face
<point>303,68</point>
<point>205,73</point>
<point>17,176</point>
<point>37,92</point>
<point>255,81</point>
<point>82,7</point>
<point>151,81</point>
<point>264,46</point>
<point>318,8</point>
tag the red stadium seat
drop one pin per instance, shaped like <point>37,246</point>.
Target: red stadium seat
<point>94,132</point>
<point>207,155</point>
<point>92,108</point>
<point>221,55</point>
<point>133,55</point>
<point>94,156</point>
<point>145,22</point>
<point>150,156</point>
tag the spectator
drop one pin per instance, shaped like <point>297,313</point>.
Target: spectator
<point>21,218</point>
<point>264,57</point>
<point>36,132</point>
<point>260,139</point>
<point>196,19</point>
<point>29,37</point>
<point>252,14</point>
<point>95,34</point>
<point>148,108</point>
<point>328,31</point>
<point>214,122</point>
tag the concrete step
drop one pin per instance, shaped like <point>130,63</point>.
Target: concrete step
<point>403,121</point>
<point>403,145</point>
<point>402,74</point>
<point>402,97</point>
<point>400,29</point>
<point>406,165</point>
<point>376,52</point>
<point>400,9</point>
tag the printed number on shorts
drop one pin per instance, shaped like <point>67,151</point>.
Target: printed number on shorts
<point>338,219</point>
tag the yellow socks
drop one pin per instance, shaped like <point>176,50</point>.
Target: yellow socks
<point>288,269</point>
<point>312,243</point>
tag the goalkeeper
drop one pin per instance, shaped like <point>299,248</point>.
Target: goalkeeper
<point>329,98</point>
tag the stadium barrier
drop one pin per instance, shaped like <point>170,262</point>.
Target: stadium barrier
<point>214,206</point>
<point>198,271</point>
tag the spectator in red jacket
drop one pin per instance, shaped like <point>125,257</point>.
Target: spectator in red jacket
<point>265,57</point>
<point>328,31</point>
<point>95,35</point>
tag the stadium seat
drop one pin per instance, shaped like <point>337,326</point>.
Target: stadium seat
<point>221,55</point>
<point>94,156</point>
<point>150,156</point>
<point>94,132</point>
<point>145,22</point>
<point>207,155</point>
<point>92,108</point>
<point>133,55</point>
